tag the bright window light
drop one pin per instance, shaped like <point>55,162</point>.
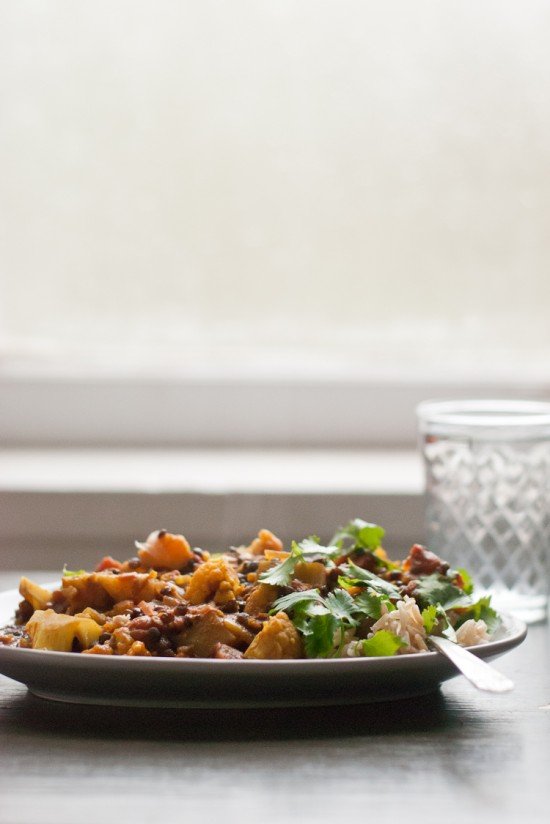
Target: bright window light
<point>287,184</point>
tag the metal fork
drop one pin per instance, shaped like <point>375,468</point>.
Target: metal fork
<point>478,672</point>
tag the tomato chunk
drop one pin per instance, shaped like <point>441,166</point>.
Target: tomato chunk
<point>108,563</point>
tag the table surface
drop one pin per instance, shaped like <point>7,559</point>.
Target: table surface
<point>455,754</point>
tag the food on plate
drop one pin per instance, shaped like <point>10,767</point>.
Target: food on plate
<point>259,601</point>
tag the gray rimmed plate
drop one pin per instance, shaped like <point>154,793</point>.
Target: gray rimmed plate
<point>207,683</point>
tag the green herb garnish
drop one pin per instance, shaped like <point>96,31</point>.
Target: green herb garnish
<point>480,611</point>
<point>429,617</point>
<point>342,606</point>
<point>369,604</point>
<point>72,573</point>
<point>356,576</point>
<point>436,622</point>
<point>289,602</point>
<point>319,619</point>
<point>307,550</point>
<point>324,620</point>
<point>439,589</point>
<point>359,534</point>
<point>319,635</point>
<point>281,574</point>
<point>382,643</point>
<point>466,580</point>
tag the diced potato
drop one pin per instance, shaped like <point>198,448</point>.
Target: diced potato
<point>163,550</point>
<point>36,595</point>
<point>82,591</point>
<point>50,630</point>
<point>276,555</point>
<point>100,590</point>
<point>313,573</point>
<point>241,635</point>
<point>263,565</point>
<point>260,599</point>
<point>98,617</point>
<point>208,629</point>
<point>207,579</point>
<point>129,586</point>
<point>278,638</point>
<point>227,652</point>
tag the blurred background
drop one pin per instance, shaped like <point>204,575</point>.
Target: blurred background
<point>263,230</point>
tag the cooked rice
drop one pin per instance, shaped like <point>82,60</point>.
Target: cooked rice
<point>472,633</point>
<point>406,622</point>
<point>352,650</point>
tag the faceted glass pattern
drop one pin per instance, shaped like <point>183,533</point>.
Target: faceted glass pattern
<point>488,510</point>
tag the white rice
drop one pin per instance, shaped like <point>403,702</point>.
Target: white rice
<point>406,622</point>
<point>472,633</point>
<point>352,650</point>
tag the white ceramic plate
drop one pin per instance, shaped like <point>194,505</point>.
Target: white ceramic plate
<point>188,682</point>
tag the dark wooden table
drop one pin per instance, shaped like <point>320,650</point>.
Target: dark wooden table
<point>455,756</point>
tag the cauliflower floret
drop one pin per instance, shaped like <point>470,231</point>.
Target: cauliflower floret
<point>211,577</point>
<point>162,550</point>
<point>278,638</point>
<point>260,599</point>
<point>265,540</point>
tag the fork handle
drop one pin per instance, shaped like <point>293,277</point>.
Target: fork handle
<point>477,671</point>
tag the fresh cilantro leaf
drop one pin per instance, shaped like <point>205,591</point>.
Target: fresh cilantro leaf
<point>436,622</point>
<point>312,550</point>
<point>281,574</point>
<point>309,603</point>
<point>369,604</point>
<point>342,606</point>
<point>319,638</point>
<point>289,602</point>
<point>318,619</point>
<point>72,573</point>
<point>301,617</point>
<point>382,643</point>
<point>358,576</point>
<point>467,580</point>
<point>307,550</point>
<point>438,589</point>
<point>481,611</point>
<point>429,617</point>
<point>359,534</point>
<point>304,611</point>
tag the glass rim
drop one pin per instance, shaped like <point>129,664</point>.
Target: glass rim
<point>478,414</point>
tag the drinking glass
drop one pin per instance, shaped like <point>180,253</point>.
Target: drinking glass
<point>487,468</point>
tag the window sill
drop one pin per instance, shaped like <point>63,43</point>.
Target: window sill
<point>60,506</point>
<point>372,410</point>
